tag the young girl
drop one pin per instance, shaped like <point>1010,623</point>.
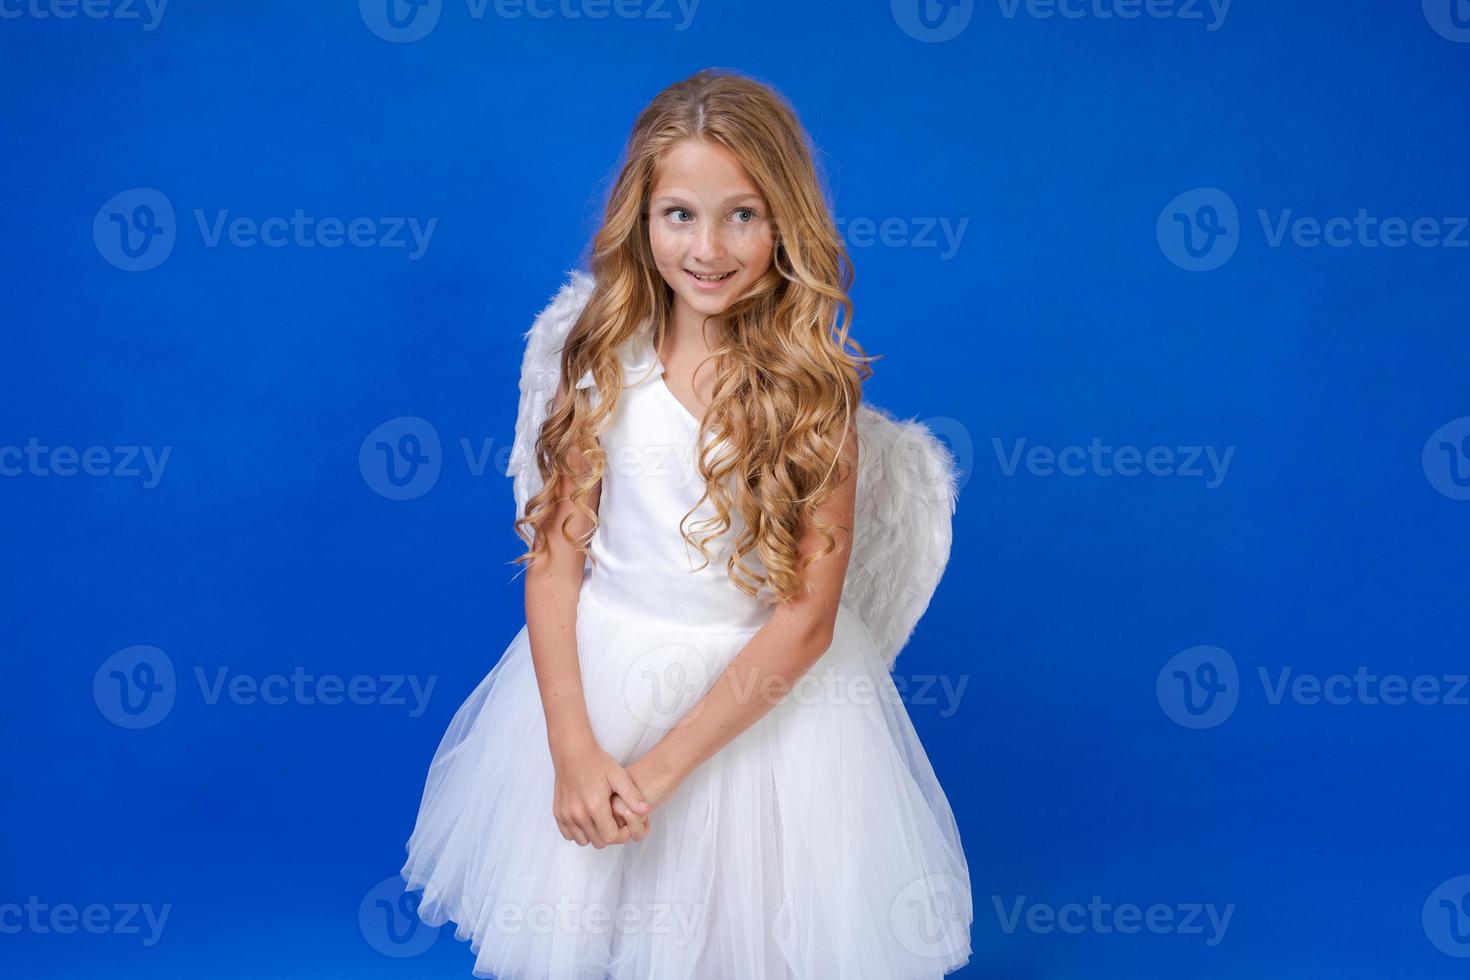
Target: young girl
<point>692,761</point>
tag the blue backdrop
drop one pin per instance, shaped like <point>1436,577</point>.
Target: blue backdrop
<point>1182,284</point>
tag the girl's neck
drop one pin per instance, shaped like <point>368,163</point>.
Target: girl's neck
<point>689,333</point>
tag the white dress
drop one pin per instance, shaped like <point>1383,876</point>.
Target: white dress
<point>817,845</point>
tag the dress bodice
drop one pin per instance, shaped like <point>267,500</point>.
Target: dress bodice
<point>644,565</point>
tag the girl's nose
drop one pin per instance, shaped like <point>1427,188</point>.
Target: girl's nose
<point>709,246</point>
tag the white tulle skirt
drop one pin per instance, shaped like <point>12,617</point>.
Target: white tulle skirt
<point>817,845</point>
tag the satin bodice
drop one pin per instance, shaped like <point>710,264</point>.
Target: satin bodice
<point>644,566</point>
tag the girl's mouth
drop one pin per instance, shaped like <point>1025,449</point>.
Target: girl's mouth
<point>710,282</point>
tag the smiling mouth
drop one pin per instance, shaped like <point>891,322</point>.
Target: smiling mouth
<point>717,277</point>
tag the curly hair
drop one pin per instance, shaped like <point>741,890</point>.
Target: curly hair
<point>787,388</point>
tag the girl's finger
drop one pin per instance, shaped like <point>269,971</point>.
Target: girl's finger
<point>603,824</point>
<point>624,786</point>
<point>637,824</point>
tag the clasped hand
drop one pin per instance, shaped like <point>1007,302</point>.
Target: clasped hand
<point>599,801</point>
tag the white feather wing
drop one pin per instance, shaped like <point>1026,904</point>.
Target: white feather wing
<point>540,371</point>
<point>902,527</point>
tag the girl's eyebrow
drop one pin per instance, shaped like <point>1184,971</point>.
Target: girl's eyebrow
<point>676,199</point>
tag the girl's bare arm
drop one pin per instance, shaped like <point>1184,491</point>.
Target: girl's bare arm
<point>587,777</point>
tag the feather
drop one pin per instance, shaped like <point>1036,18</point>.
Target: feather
<point>540,372</point>
<point>902,526</point>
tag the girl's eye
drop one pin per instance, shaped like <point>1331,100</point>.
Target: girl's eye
<point>672,211</point>
<point>746,211</point>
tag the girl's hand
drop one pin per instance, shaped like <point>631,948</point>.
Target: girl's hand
<point>657,784</point>
<point>636,824</point>
<point>586,780</point>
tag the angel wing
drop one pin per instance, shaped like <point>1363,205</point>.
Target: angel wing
<point>906,492</point>
<point>907,487</point>
<point>540,371</point>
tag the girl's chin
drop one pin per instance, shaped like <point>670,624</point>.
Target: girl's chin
<point>707,303</point>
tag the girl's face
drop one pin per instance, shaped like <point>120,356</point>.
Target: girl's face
<point>708,227</point>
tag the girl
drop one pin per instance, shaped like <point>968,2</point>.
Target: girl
<point>692,762</point>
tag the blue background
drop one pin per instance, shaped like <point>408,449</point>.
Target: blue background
<point>1333,542</point>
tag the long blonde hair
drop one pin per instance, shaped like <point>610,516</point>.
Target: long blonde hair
<point>787,390</point>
